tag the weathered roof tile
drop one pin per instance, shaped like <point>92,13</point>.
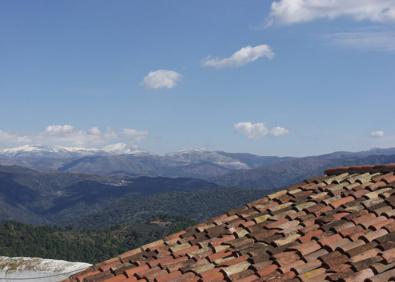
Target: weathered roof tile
<point>338,227</point>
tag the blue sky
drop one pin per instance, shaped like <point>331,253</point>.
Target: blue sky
<point>85,73</point>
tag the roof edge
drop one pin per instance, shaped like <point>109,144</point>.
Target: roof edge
<point>361,169</point>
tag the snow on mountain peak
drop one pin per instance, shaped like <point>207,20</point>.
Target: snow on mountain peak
<point>116,149</point>
<point>204,155</point>
<point>22,149</point>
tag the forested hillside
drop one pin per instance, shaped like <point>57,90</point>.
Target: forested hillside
<point>17,239</point>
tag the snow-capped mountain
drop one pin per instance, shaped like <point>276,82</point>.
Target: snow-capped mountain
<point>202,155</point>
<point>28,150</point>
<point>122,159</point>
<point>36,150</point>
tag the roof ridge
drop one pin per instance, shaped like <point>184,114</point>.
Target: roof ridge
<point>361,169</point>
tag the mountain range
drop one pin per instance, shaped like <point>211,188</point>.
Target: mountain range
<point>293,170</point>
<point>223,168</point>
<point>96,188</point>
<point>189,163</point>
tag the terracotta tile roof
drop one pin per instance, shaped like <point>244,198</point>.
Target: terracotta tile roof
<point>338,227</point>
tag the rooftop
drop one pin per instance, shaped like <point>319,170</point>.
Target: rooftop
<point>338,227</point>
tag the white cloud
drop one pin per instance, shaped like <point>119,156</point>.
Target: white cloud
<point>70,136</point>
<point>241,57</point>
<point>9,139</point>
<point>258,130</point>
<point>134,134</point>
<point>279,131</point>
<point>377,134</point>
<point>162,79</point>
<point>6,135</point>
<point>375,40</point>
<point>94,131</point>
<point>252,130</point>
<point>299,11</point>
<point>120,148</point>
<point>60,129</point>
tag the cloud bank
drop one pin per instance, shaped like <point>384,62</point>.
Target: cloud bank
<point>70,136</point>
<point>299,11</point>
<point>241,57</point>
<point>259,130</point>
<point>377,134</point>
<point>160,79</point>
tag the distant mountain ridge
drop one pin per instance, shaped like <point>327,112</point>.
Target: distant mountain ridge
<point>188,163</point>
<point>294,170</point>
<point>119,159</point>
